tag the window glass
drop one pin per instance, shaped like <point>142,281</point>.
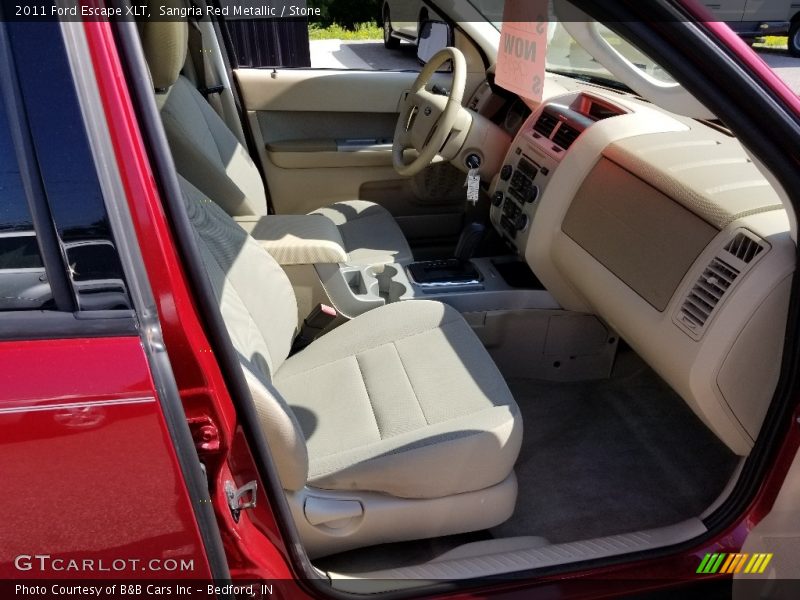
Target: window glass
<point>365,35</point>
<point>98,260</point>
<point>23,283</point>
<point>18,250</point>
<point>67,168</point>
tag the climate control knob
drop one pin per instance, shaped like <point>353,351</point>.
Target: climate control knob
<point>532,194</point>
<point>497,199</point>
<point>521,222</point>
<point>505,172</point>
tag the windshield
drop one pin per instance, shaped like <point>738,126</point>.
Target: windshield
<point>567,57</point>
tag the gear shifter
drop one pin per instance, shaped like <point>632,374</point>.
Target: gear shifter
<point>452,271</point>
<point>471,236</point>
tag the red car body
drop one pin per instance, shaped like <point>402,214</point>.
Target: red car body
<point>91,471</point>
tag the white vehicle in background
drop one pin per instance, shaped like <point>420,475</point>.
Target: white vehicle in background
<point>93,267</point>
<point>757,18</point>
<point>23,282</point>
<point>402,20</point>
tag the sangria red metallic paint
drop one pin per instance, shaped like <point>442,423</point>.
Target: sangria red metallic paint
<point>98,489</point>
<point>110,485</point>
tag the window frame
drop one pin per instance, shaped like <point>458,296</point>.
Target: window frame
<point>65,319</point>
<point>39,209</point>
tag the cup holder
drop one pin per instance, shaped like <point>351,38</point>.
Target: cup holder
<point>355,281</point>
<point>357,289</point>
<point>385,286</point>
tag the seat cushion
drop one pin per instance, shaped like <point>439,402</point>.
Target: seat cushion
<point>371,235</point>
<point>403,400</point>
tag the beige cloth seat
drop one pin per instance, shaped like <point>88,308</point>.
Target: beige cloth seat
<point>396,425</point>
<point>210,156</point>
<point>410,385</point>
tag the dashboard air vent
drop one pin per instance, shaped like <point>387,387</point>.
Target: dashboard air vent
<point>545,124</point>
<point>737,256</point>
<point>706,293</point>
<point>566,135</point>
<point>743,247</point>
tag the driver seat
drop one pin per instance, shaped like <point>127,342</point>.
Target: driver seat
<point>209,155</point>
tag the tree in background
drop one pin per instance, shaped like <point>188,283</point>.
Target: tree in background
<point>346,13</point>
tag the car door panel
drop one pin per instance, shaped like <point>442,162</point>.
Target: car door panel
<point>325,136</point>
<point>769,10</point>
<point>404,15</point>
<point>726,10</point>
<point>92,465</point>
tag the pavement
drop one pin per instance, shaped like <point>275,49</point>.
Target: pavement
<point>785,66</point>
<point>371,55</point>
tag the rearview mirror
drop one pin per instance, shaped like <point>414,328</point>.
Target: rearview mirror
<point>433,36</point>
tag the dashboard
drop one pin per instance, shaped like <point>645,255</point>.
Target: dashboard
<point>665,228</point>
<point>536,152</point>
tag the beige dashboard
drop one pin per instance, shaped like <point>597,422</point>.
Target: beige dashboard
<point>663,227</point>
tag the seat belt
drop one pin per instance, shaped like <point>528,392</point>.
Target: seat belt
<point>207,81</point>
<point>213,92</point>
<point>202,69</point>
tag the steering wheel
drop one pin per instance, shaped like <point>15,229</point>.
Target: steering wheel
<point>427,119</point>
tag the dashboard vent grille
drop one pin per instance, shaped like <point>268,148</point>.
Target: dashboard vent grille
<point>744,247</point>
<point>566,135</point>
<point>545,124</point>
<point>707,293</point>
<point>736,257</point>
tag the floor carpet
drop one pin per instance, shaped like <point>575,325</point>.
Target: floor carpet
<point>612,456</point>
<point>598,458</point>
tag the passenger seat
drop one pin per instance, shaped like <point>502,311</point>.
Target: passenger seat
<point>210,156</point>
<point>395,426</point>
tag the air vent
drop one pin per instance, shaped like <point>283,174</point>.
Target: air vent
<point>566,135</point>
<point>545,124</point>
<point>706,294</point>
<point>739,254</point>
<point>743,247</point>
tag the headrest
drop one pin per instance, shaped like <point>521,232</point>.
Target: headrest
<point>165,44</point>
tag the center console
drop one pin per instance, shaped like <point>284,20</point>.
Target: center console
<point>524,329</point>
<point>443,275</point>
<point>533,157</point>
<point>477,284</point>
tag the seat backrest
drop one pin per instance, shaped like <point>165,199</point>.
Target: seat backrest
<point>259,308</point>
<point>205,150</point>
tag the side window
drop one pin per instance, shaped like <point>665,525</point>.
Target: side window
<point>23,282</point>
<point>365,35</point>
<point>78,268</point>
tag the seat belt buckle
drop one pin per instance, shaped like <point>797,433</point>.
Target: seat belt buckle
<point>321,320</point>
<point>214,89</point>
<point>320,317</point>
